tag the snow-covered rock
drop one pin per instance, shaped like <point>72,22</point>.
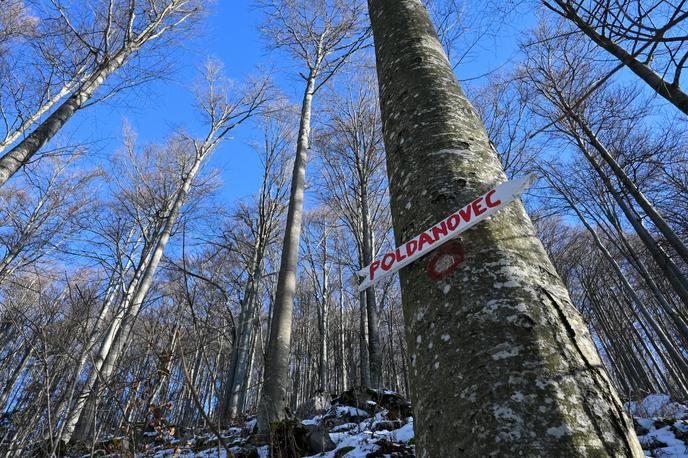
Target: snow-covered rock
<point>661,426</point>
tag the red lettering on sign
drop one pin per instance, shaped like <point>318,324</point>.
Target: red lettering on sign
<point>466,213</point>
<point>424,238</point>
<point>386,265</point>
<point>399,256</point>
<point>477,208</point>
<point>373,268</point>
<point>411,247</point>
<point>440,229</point>
<point>453,222</point>
<point>488,199</point>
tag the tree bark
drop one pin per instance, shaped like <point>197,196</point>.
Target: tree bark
<point>497,339</point>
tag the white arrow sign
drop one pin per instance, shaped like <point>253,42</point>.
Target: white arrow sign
<point>456,223</point>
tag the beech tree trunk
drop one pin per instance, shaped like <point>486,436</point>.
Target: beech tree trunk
<point>374,350</point>
<point>363,362</point>
<point>273,401</point>
<point>498,339</point>
<point>241,347</point>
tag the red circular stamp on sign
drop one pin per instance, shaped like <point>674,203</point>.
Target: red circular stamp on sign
<point>446,260</point>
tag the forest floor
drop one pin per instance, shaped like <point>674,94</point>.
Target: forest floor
<point>362,423</point>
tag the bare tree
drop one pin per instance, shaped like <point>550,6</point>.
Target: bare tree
<point>40,214</point>
<point>317,236</point>
<point>321,36</point>
<point>503,106</point>
<point>587,125</point>
<point>353,185</point>
<point>159,200</point>
<point>15,23</point>
<point>91,42</point>
<point>262,220</point>
<point>647,37</point>
<point>639,308</point>
<point>613,185</point>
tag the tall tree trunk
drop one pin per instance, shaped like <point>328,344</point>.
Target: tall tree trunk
<point>188,410</point>
<point>323,323</point>
<point>374,350</point>
<point>499,338</point>
<point>84,427</point>
<point>364,363</point>
<point>248,377</point>
<point>276,374</point>
<point>241,349</point>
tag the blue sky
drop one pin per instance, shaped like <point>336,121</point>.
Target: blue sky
<point>230,34</point>
<point>154,110</point>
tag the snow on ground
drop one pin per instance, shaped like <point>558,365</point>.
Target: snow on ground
<point>361,439</point>
<point>351,411</point>
<point>661,425</point>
